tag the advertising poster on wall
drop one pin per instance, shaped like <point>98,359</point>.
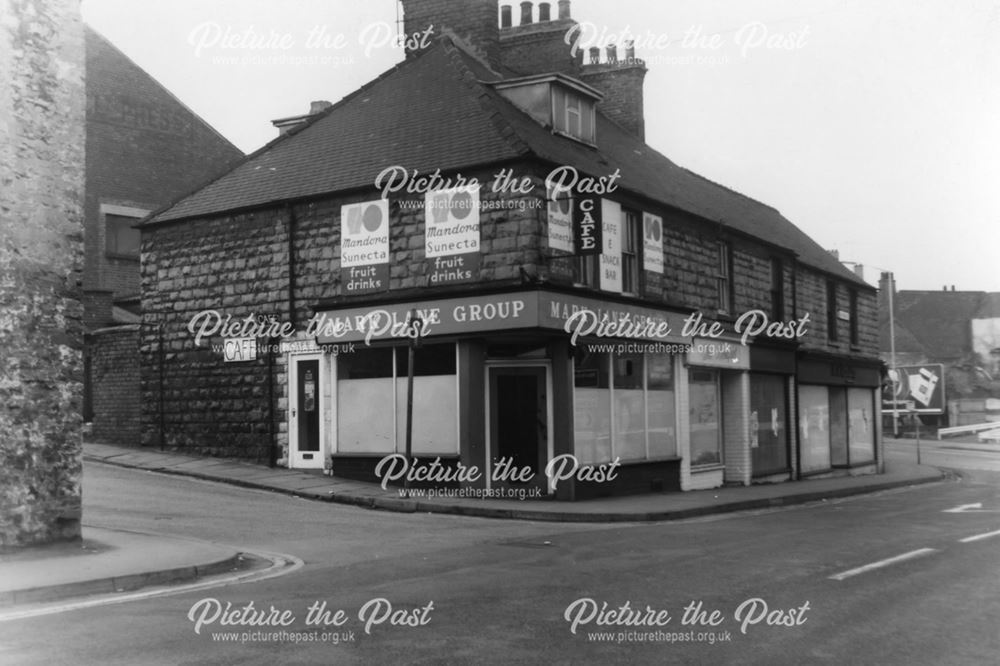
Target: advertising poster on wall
<point>652,243</point>
<point>451,240</point>
<point>364,246</point>
<point>611,253</point>
<point>560,218</point>
<point>921,384</point>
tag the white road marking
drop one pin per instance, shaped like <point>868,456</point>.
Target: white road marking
<point>883,563</point>
<point>281,564</point>
<point>977,537</point>
<point>970,508</point>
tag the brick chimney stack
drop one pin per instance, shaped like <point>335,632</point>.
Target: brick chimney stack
<point>538,46</point>
<point>473,21</point>
<point>621,80</point>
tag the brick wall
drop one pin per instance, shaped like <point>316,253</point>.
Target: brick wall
<point>114,368</point>
<point>538,48</point>
<point>144,149</point>
<point>41,168</point>
<point>621,82</point>
<point>476,22</point>
<point>812,299</point>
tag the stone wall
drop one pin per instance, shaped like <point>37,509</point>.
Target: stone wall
<point>41,252</point>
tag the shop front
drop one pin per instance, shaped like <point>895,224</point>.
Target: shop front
<point>838,416</point>
<point>536,392</point>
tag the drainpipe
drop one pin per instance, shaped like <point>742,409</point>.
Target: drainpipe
<point>795,369</point>
<point>291,263</point>
<point>273,456</point>
<point>163,427</point>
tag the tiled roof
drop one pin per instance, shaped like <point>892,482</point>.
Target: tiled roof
<point>937,321</point>
<point>438,111</point>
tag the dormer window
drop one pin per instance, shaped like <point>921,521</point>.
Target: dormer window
<point>572,115</point>
<point>559,102</point>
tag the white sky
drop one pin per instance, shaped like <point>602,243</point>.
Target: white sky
<point>877,132</point>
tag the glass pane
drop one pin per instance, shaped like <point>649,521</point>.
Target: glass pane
<point>435,415</point>
<point>592,424</point>
<point>705,418</point>
<point>838,425</point>
<point>365,363</point>
<point>814,426</point>
<point>862,432</point>
<point>364,416</point>
<point>429,360</point>
<point>768,424</point>
<point>591,371</point>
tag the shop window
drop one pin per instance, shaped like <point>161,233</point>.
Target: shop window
<point>831,311</point>
<point>705,417</point>
<point>629,407</point>
<point>635,394</point>
<point>724,276</point>
<point>768,424</point>
<point>371,401</point>
<point>861,426</point>
<point>814,428</point>
<point>777,290</point>
<point>631,257</point>
<point>838,426</point>
<point>660,406</point>
<point>592,409</point>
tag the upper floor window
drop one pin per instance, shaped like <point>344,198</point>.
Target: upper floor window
<point>572,114</point>
<point>724,280</point>
<point>121,239</point>
<point>831,311</point>
<point>777,289</point>
<point>585,270</point>
<point>631,259</point>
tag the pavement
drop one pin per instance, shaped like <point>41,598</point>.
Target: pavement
<point>108,560</point>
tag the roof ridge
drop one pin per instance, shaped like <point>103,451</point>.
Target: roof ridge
<point>286,136</point>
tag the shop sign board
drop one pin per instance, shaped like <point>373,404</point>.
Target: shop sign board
<point>497,312</point>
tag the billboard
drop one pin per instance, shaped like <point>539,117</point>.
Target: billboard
<point>923,385</point>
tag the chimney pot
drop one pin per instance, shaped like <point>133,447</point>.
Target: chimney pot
<point>506,18</point>
<point>564,9</point>
<point>595,55</point>
<point>953,287</point>
<point>543,12</point>
<point>612,54</point>
<point>525,12</point>
<point>630,50</point>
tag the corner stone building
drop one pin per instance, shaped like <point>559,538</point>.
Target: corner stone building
<point>556,321</point>
<point>41,252</point>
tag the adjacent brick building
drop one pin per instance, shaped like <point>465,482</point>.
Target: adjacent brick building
<point>278,300</point>
<point>41,252</point>
<point>144,149</point>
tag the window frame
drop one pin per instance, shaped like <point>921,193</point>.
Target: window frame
<point>832,334</point>
<point>632,257</point>
<point>134,213</point>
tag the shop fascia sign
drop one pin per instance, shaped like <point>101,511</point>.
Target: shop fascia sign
<point>578,316</point>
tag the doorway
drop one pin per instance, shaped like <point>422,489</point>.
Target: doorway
<point>305,423</point>
<point>519,417</point>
